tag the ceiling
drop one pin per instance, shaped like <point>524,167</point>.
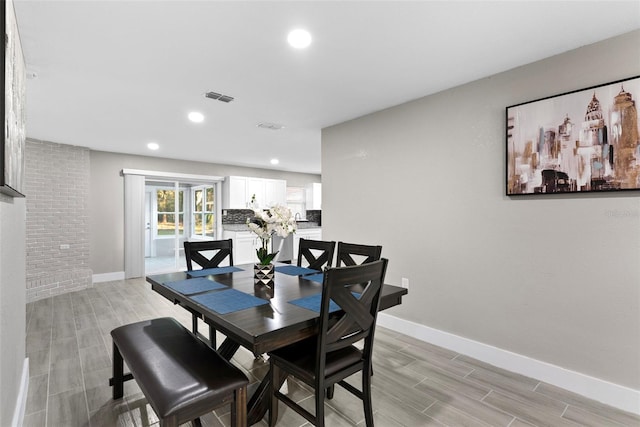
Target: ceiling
<point>116,75</point>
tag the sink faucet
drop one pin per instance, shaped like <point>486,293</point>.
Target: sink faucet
<point>298,216</point>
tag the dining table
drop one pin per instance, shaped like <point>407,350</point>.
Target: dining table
<point>257,317</point>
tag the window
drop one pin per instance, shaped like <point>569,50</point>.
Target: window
<point>296,201</point>
<point>166,212</point>
<point>203,224</point>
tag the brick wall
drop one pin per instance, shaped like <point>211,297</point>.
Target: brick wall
<point>57,190</point>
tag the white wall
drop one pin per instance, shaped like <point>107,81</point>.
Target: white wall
<point>553,278</point>
<point>12,304</point>
<point>107,197</point>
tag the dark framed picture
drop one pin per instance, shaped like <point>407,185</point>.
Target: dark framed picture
<point>581,141</point>
<point>13,79</point>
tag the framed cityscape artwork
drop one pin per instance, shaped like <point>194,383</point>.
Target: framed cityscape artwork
<point>13,80</point>
<point>582,141</point>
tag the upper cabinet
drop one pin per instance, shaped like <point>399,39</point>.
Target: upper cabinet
<point>237,192</point>
<point>275,192</point>
<point>314,196</point>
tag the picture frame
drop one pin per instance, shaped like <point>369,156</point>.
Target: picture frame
<point>12,143</point>
<point>584,141</point>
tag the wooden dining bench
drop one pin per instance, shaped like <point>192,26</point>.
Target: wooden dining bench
<point>181,377</point>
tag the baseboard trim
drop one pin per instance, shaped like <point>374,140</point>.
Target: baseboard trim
<point>615,395</point>
<point>108,277</point>
<point>21,401</point>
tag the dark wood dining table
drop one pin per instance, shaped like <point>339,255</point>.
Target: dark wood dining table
<point>262,328</point>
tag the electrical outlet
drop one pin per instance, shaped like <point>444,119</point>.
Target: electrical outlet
<point>405,283</point>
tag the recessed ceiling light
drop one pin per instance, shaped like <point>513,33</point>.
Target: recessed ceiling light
<point>196,117</point>
<point>153,146</point>
<point>275,161</point>
<point>299,38</point>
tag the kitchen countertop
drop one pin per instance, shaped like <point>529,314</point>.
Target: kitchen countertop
<point>243,227</point>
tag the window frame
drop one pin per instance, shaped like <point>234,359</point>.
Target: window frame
<point>176,212</point>
<point>204,212</point>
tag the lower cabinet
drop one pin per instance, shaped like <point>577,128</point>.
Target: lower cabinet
<point>245,244</point>
<point>305,233</point>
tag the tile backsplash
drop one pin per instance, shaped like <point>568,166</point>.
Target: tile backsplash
<point>239,216</point>
<point>315,216</point>
<point>236,216</point>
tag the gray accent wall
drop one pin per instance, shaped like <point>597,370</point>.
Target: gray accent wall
<point>12,303</point>
<point>553,278</point>
<point>107,200</point>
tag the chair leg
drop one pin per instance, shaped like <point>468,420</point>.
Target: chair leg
<point>196,422</point>
<point>212,337</point>
<point>118,373</point>
<point>194,324</point>
<point>320,395</point>
<point>366,397</point>
<point>273,401</point>
<point>330,391</point>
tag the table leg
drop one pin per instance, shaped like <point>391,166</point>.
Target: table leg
<point>228,348</point>
<point>259,403</point>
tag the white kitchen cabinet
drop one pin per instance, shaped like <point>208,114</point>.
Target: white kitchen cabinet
<point>305,233</point>
<point>234,191</point>
<point>237,192</point>
<point>314,196</point>
<point>275,192</point>
<point>255,187</point>
<point>245,244</point>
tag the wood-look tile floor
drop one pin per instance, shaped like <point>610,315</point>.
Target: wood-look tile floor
<point>414,383</point>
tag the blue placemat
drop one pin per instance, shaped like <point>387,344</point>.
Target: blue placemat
<point>228,301</point>
<point>313,302</point>
<point>316,277</point>
<point>217,270</point>
<point>194,286</point>
<point>294,270</point>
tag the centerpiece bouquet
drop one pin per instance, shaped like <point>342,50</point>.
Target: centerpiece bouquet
<point>277,220</point>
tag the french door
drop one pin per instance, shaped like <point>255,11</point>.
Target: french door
<point>162,210</point>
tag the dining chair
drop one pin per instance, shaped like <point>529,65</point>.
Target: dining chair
<point>207,254</point>
<point>353,254</point>
<point>331,356</point>
<point>195,252</point>
<point>317,253</point>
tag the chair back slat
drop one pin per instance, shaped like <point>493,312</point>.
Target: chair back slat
<point>354,254</point>
<point>317,253</point>
<point>193,252</point>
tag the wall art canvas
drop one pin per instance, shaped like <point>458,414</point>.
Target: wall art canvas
<point>582,141</point>
<point>14,135</point>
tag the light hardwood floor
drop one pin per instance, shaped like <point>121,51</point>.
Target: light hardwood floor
<point>414,383</point>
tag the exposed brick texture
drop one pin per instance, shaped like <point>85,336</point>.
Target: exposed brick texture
<point>57,191</point>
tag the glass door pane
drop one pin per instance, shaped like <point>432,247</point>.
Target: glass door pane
<point>166,228</point>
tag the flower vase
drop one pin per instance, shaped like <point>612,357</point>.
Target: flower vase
<point>264,274</point>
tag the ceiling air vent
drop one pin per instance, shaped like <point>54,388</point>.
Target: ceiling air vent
<point>219,96</point>
<point>272,126</point>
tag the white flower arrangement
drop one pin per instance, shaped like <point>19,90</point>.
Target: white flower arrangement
<point>277,220</point>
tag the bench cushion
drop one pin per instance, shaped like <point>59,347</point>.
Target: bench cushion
<point>174,369</point>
